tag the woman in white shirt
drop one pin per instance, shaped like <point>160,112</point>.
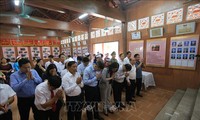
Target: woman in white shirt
<point>121,59</point>
<point>46,97</point>
<point>6,98</point>
<point>72,85</point>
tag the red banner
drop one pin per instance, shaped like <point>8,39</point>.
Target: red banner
<point>4,42</point>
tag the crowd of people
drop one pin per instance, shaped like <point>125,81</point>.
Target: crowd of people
<point>77,82</point>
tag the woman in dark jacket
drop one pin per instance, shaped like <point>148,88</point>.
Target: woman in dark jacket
<point>40,67</point>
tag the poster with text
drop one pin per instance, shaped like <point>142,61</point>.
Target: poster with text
<point>98,33</point>
<point>9,52</point>
<point>183,50</point>
<point>35,52</point>
<point>56,52</point>
<point>157,20</point>
<point>23,52</point>
<point>193,12</point>
<point>46,51</point>
<point>155,52</point>
<point>175,16</point>
<point>136,47</point>
<point>143,23</point>
<point>132,25</point>
<point>79,51</point>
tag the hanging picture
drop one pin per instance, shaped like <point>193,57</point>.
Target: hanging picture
<point>92,34</point>
<point>143,23</point>
<point>9,52</point>
<point>23,52</point>
<point>75,38</point>
<point>103,32</point>
<point>82,37</point>
<point>56,52</point>
<point>74,44</point>
<point>98,32</point>
<point>35,52</point>
<point>136,47</point>
<point>46,52</point>
<point>84,42</point>
<point>84,50</point>
<point>132,25</point>
<point>78,37</point>
<point>79,43</point>
<point>110,31</point>
<point>118,29</point>
<point>193,12</point>
<point>68,51</point>
<point>157,20</point>
<point>74,50</point>
<point>183,50</point>
<point>175,16</point>
<point>86,36</point>
<point>79,51</point>
<point>155,52</point>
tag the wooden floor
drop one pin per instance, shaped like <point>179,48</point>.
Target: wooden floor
<point>146,108</point>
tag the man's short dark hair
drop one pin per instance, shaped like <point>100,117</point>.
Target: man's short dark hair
<point>54,81</point>
<point>79,58</point>
<point>50,56</point>
<point>128,52</point>
<point>70,63</point>
<point>69,56</point>
<point>128,67</point>
<point>136,55</point>
<point>23,61</point>
<point>61,55</point>
<point>100,64</point>
<point>86,59</point>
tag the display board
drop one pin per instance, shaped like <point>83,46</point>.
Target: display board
<point>23,52</point>
<point>136,47</point>
<point>35,52</point>
<point>56,52</point>
<point>132,25</point>
<point>46,52</point>
<point>157,20</point>
<point>175,16</point>
<point>193,12</point>
<point>156,52</point>
<point>9,52</point>
<point>143,23</point>
<point>183,50</point>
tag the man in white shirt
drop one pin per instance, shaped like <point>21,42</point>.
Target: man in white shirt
<point>51,61</point>
<point>118,84</point>
<point>130,85</point>
<point>46,97</point>
<point>75,57</point>
<point>6,98</point>
<point>121,59</point>
<point>72,85</point>
<point>61,64</point>
<point>127,59</point>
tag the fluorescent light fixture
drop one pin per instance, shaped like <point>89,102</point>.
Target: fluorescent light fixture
<point>60,11</point>
<point>16,2</point>
<point>83,15</point>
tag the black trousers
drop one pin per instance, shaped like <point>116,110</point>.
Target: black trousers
<point>92,96</point>
<point>138,85</point>
<point>74,107</point>
<point>24,105</point>
<point>130,90</point>
<point>117,92</point>
<point>6,116</point>
<point>47,115</point>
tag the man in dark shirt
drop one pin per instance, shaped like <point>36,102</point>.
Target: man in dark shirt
<point>139,64</point>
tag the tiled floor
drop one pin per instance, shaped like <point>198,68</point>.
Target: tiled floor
<point>146,108</point>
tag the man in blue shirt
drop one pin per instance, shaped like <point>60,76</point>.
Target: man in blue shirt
<point>91,77</point>
<point>83,65</point>
<point>139,65</point>
<point>24,82</point>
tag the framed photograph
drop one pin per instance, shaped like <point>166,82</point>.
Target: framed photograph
<point>185,28</point>
<point>156,32</point>
<point>35,52</point>
<point>79,51</point>
<point>136,35</point>
<point>137,47</point>
<point>156,52</point>
<point>186,50</point>
<point>46,51</point>
<point>9,52</point>
<point>56,52</point>
<point>23,52</point>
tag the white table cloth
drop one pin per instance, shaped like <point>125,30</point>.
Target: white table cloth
<point>148,79</point>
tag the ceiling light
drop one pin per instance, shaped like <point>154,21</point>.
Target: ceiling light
<point>16,2</point>
<point>60,11</point>
<point>83,15</point>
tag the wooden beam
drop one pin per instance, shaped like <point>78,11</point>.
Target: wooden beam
<point>10,29</point>
<point>51,24</point>
<point>92,7</point>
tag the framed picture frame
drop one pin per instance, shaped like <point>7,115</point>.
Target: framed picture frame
<point>156,32</point>
<point>185,28</point>
<point>136,35</point>
<point>137,47</point>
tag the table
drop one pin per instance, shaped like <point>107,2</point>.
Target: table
<point>148,79</point>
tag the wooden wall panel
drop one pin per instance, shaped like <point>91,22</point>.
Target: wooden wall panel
<point>165,77</point>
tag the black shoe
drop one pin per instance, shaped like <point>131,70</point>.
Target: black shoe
<point>139,95</point>
<point>133,100</point>
<point>123,106</point>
